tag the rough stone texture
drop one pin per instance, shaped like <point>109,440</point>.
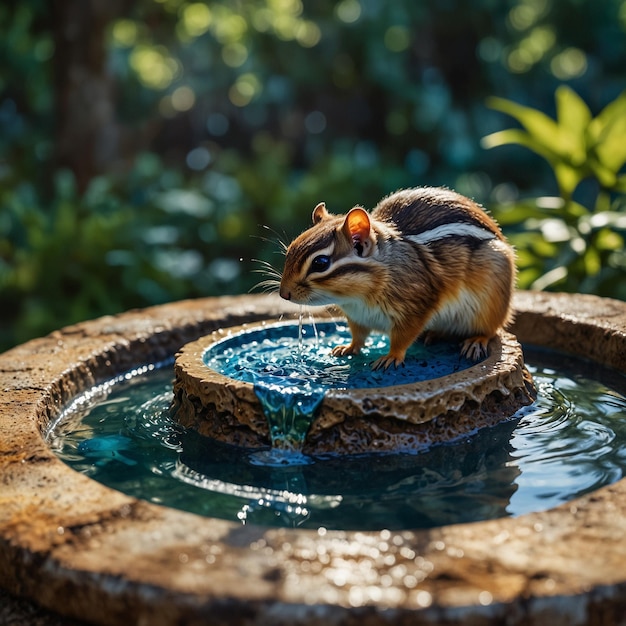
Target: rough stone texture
<point>19,612</point>
<point>354,421</point>
<point>92,554</point>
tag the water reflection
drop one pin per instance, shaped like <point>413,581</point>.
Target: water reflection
<point>439,486</point>
<point>572,441</point>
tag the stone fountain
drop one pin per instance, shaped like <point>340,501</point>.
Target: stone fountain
<point>72,548</point>
<point>355,420</point>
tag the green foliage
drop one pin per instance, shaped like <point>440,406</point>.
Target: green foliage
<point>144,240</point>
<point>563,243</point>
<point>230,121</point>
<point>576,145</point>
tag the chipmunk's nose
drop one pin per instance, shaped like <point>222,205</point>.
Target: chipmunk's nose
<point>285,293</point>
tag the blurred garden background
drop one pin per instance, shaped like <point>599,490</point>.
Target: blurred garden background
<point>154,150</point>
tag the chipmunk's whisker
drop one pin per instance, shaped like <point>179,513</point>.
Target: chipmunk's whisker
<point>267,272</point>
<point>266,286</point>
<point>280,240</point>
<point>266,268</point>
<point>272,280</point>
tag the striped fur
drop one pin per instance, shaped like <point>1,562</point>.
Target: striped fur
<point>425,260</point>
<point>451,230</point>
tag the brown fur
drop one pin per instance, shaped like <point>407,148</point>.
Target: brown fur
<point>454,286</point>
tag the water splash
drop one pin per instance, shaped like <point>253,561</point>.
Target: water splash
<point>291,368</point>
<point>302,330</point>
<point>290,397</point>
<point>289,411</point>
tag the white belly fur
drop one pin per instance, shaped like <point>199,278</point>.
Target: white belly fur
<point>370,317</point>
<point>457,315</point>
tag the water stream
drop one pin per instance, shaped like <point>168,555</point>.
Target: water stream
<point>291,373</point>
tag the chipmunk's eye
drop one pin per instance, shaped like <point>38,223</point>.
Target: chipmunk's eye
<point>320,263</point>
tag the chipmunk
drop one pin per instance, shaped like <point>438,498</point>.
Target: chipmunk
<point>425,260</point>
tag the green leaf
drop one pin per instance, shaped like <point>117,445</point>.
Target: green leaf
<point>609,240</point>
<point>517,212</point>
<point>616,109</point>
<point>592,262</point>
<point>543,130</point>
<point>574,211</point>
<point>543,248</point>
<point>567,177</point>
<point>607,135</point>
<point>603,202</point>
<point>521,138</point>
<point>620,184</point>
<point>503,137</point>
<point>605,175</point>
<point>551,278</point>
<point>573,117</point>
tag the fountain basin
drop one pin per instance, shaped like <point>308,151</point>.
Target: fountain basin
<point>81,550</point>
<point>353,420</point>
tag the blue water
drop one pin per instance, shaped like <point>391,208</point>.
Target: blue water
<point>292,369</point>
<point>276,355</point>
<point>570,442</point>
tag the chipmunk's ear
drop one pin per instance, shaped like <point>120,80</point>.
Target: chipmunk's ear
<point>358,228</point>
<point>320,213</point>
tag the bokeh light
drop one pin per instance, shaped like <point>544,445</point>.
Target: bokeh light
<point>397,38</point>
<point>154,66</point>
<point>348,11</point>
<point>568,64</point>
<point>245,89</point>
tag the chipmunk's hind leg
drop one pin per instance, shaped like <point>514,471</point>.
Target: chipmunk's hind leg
<point>475,348</point>
<point>431,337</point>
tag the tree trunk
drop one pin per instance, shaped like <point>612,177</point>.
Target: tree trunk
<point>87,132</point>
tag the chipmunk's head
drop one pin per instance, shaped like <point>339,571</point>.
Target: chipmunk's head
<point>330,261</point>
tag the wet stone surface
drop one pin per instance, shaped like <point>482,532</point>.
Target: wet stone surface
<point>377,414</point>
<point>91,554</point>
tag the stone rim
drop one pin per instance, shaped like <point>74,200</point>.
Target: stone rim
<point>89,552</point>
<point>393,418</point>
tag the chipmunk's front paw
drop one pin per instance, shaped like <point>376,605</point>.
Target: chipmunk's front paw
<point>345,350</point>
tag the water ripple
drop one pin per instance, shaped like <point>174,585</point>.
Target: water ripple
<point>572,441</point>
